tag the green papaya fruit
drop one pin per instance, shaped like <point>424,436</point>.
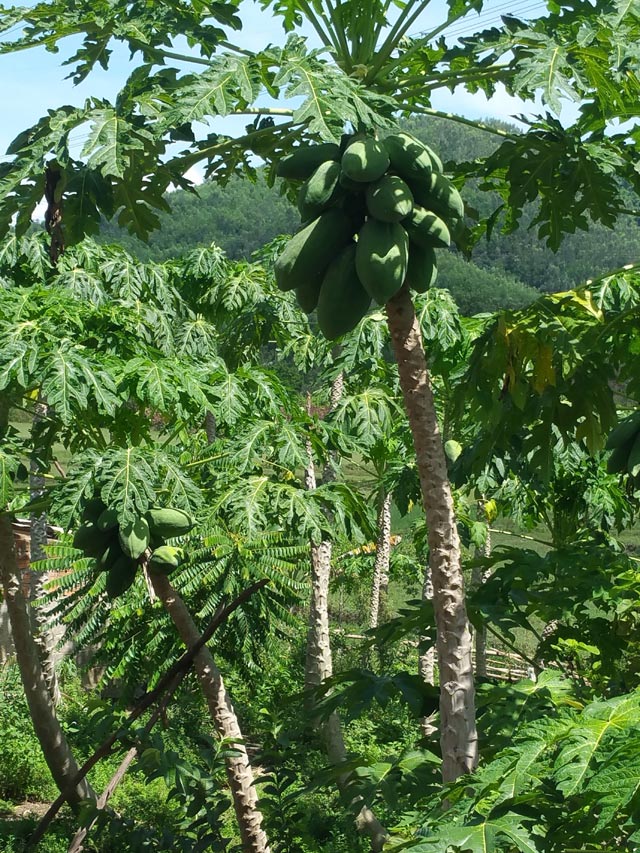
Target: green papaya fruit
<point>343,301</point>
<point>439,195</point>
<point>107,520</point>
<point>121,576</point>
<point>320,191</point>
<point>302,163</point>
<point>89,539</point>
<point>110,555</point>
<point>93,509</point>
<point>349,184</point>
<point>422,270</point>
<point>619,459</point>
<point>452,449</point>
<point>165,559</point>
<point>307,294</point>
<point>382,255</point>
<point>364,160</point>
<point>389,199</point>
<point>167,523</point>
<point>633,461</point>
<point>624,431</point>
<point>425,229</point>
<point>134,537</point>
<point>309,252</point>
<point>410,158</point>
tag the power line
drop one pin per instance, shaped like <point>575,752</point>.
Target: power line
<point>490,16</point>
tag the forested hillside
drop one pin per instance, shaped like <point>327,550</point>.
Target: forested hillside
<point>242,216</point>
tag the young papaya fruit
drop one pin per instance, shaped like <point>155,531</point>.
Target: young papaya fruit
<point>364,160</point>
<point>89,539</point>
<point>343,301</point>
<point>302,163</point>
<point>309,252</point>
<point>93,509</point>
<point>439,195</point>
<point>422,270</point>
<point>320,191</point>
<point>382,255</point>
<point>107,520</point>
<point>110,555</point>
<point>165,559</point>
<point>389,199</point>
<point>425,228</point>
<point>410,158</point>
<point>121,576</point>
<point>134,537</point>
<point>307,294</point>
<point>167,523</point>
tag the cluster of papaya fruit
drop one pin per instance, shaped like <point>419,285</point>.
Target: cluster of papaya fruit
<point>624,443</point>
<point>120,548</point>
<point>373,213</point>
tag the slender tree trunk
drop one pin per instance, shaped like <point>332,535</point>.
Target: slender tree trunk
<point>210,426</point>
<point>53,742</point>
<point>42,636</point>
<point>319,663</point>
<point>239,771</point>
<point>478,577</point>
<point>383,555</point>
<point>458,736</point>
<point>427,659</point>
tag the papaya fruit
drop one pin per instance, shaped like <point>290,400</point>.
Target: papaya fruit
<point>165,559</point>
<point>427,229</point>
<point>93,509</point>
<point>625,431</point>
<point>320,191</point>
<point>382,255</point>
<point>452,449</point>
<point>389,199</point>
<point>633,461</point>
<point>121,576</point>
<point>107,520</point>
<point>439,195</point>
<point>618,462</point>
<point>167,523</point>
<point>343,301</point>
<point>90,540</point>
<point>307,295</point>
<point>302,163</point>
<point>349,184</point>
<point>309,252</point>
<point>422,270</point>
<point>134,537</point>
<point>410,158</point>
<point>364,160</point>
<point>110,555</point>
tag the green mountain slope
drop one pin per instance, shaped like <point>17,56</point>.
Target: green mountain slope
<point>242,216</point>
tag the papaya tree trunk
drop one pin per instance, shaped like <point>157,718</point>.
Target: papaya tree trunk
<point>239,771</point>
<point>383,556</point>
<point>478,577</point>
<point>458,736</point>
<point>55,748</point>
<point>427,658</point>
<point>319,662</point>
<point>43,636</point>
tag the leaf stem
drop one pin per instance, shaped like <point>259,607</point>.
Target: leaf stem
<point>410,108</point>
<point>327,37</point>
<point>400,27</point>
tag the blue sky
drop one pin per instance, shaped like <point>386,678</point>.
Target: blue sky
<point>34,81</point>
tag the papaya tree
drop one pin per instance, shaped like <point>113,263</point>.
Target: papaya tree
<point>369,67</point>
<point>105,363</point>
